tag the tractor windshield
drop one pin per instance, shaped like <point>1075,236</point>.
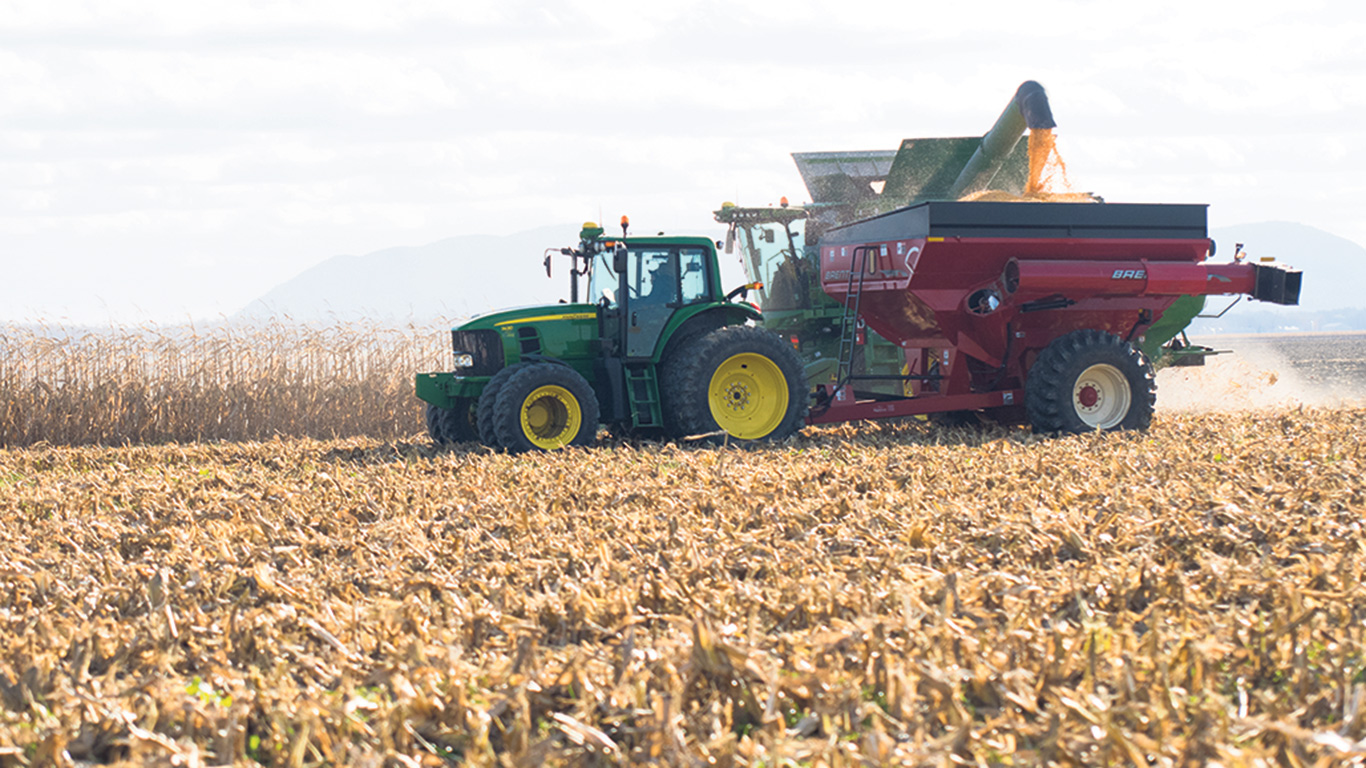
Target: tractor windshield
<point>771,253</point>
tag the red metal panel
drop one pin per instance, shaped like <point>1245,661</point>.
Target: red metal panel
<point>914,406</point>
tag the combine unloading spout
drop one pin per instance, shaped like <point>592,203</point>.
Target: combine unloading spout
<point>1027,110</point>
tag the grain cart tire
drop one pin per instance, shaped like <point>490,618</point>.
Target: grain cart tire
<point>487,400</point>
<point>545,407</point>
<point>452,425</point>
<point>1090,380</point>
<point>741,380</point>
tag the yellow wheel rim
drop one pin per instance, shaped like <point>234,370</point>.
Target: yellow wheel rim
<point>748,396</point>
<point>551,417</point>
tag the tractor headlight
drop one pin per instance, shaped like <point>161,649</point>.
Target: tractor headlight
<point>464,360</point>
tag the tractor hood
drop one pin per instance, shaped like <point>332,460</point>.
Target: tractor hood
<point>505,318</point>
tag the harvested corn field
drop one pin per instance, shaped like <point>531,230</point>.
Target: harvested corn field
<point>886,593</point>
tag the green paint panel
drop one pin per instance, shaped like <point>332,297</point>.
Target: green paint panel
<point>1175,320</point>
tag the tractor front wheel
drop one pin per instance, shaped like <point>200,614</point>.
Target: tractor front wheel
<point>740,380</point>
<point>545,406</point>
<point>1090,380</point>
<point>484,420</point>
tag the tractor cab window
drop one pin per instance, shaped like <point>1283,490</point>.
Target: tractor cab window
<point>652,274</point>
<point>658,276</point>
<point>602,281</point>
<point>692,263</point>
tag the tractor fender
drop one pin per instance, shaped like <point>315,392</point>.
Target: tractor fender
<point>703,321</point>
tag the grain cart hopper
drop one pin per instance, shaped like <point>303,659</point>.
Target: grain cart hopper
<point>1026,311</point>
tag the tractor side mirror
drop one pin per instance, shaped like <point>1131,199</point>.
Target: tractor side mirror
<point>547,265</point>
<point>619,259</point>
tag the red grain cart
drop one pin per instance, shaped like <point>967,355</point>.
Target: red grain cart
<point>1022,312</point>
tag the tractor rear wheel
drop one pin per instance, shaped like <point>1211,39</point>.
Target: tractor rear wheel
<point>452,425</point>
<point>545,406</point>
<point>487,400</point>
<point>1090,380</point>
<point>741,380</point>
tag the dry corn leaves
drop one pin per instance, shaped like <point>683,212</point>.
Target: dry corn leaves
<point>224,382</point>
<point>884,593</point>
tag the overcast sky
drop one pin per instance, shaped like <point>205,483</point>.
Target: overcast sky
<point>162,160</point>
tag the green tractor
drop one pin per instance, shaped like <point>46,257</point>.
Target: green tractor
<point>660,351</point>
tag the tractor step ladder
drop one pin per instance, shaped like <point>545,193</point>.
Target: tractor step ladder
<point>849,318</point>
<point>642,391</point>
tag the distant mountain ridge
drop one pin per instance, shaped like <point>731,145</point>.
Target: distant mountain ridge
<point>1334,274</point>
<point>451,278</point>
<point>466,275</point>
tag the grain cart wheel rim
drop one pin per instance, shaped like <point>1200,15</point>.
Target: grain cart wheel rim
<point>1088,380</point>
<point>1102,396</point>
<point>551,417</point>
<point>748,395</point>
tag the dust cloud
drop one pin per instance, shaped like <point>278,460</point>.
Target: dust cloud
<point>1258,375</point>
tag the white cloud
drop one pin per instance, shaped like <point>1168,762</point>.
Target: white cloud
<point>230,145</point>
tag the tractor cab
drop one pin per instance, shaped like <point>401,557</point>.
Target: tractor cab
<point>642,283</point>
<point>772,248</point>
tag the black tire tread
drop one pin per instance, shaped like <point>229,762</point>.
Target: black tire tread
<point>488,399</point>
<point>434,431</point>
<point>687,376</point>
<point>457,424</point>
<point>452,425</point>
<point>1048,388</point>
<point>507,410</point>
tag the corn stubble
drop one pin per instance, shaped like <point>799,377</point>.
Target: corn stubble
<point>886,594</point>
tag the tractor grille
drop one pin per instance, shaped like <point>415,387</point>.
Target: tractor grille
<point>484,346</point>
